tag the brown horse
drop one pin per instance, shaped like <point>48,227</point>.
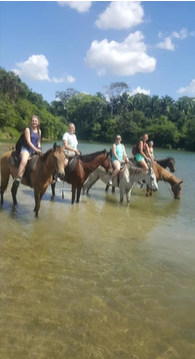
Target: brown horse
<point>166,176</point>
<point>39,177</point>
<point>84,165</point>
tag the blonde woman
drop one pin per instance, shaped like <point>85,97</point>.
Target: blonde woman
<point>70,142</point>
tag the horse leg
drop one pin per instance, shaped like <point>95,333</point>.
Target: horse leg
<point>89,183</point>
<point>14,190</point>
<point>78,194</point>
<point>148,191</point>
<point>73,193</point>
<point>4,182</point>
<point>128,194</point>
<point>53,186</point>
<point>37,197</point>
<point>121,188</point>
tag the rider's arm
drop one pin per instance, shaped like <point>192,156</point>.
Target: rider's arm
<point>39,141</point>
<point>125,158</point>
<point>147,152</point>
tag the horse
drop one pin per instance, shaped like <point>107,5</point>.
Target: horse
<point>83,166</point>
<point>164,175</point>
<point>132,174</point>
<point>93,178</point>
<point>167,162</point>
<point>127,177</point>
<point>38,177</point>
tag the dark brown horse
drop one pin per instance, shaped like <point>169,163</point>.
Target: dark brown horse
<point>166,176</point>
<point>84,165</point>
<point>39,177</point>
<point>167,162</point>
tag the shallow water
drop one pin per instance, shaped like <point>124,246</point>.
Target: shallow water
<point>99,279</point>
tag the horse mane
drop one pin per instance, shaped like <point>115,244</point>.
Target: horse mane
<point>44,156</point>
<point>166,175</point>
<point>171,159</point>
<point>134,170</point>
<point>91,156</point>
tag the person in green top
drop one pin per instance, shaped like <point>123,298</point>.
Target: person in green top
<point>118,157</point>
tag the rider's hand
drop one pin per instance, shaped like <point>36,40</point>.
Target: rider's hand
<point>38,151</point>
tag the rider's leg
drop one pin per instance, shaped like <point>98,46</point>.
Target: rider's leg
<point>24,155</point>
<point>116,164</point>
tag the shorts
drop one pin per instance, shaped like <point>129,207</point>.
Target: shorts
<point>24,149</point>
<point>69,153</point>
<point>139,157</point>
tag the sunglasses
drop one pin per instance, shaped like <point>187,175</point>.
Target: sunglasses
<point>118,138</point>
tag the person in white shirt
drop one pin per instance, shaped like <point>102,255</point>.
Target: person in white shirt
<point>70,142</point>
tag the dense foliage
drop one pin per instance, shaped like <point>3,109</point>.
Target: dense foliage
<point>99,117</point>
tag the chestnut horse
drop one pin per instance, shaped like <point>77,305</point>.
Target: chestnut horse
<point>84,165</point>
<point>166,176</point>
<point>39,177</point>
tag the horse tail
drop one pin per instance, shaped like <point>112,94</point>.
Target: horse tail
<point>5,173</point>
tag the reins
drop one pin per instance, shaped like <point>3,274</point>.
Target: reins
<point>167,187</point>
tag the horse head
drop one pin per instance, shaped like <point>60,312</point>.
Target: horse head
<point>171,164</point>
<point>150,178</point>
<point>176,189</point>
<point>59,160</point>
<point>106,163</point>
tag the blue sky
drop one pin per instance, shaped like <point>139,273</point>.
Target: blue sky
<point>87,45</point>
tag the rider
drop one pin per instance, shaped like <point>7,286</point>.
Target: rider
<point>151,149</point>
<point>70,142</point>
<point>118,157</point>
<point>143,153</point>
<point>32,135</point>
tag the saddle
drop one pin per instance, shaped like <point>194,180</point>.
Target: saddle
<point>14,160</point>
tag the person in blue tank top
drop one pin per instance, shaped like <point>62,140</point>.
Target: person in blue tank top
<point>118,157</point>
<point>32,136</point>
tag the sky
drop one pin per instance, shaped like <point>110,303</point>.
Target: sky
<point>87,45</point>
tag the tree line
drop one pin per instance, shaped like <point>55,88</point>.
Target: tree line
<point>169,123</point>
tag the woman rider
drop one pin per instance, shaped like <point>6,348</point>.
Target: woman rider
<point>143,153</point>
<point>32,135</point>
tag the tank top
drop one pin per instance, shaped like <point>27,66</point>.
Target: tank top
<point>118,151</point>
<point>34,137</point>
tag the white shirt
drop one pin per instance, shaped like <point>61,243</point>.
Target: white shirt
<point>70,139</point>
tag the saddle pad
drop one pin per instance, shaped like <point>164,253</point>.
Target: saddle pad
<point>71,164</point>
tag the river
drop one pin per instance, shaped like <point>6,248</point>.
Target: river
<point>100,279</point>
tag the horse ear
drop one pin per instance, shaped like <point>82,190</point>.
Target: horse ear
<point>181,181</point>
<point>55,145</point>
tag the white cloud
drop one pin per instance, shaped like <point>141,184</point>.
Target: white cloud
<point>36,68</point>
<point>166,44</point>
<point>126,58</point>
<point>121,15</point>
<point>180,35</point>
<point>139,90</point>
<point>188,89</point>
<point>80,6</point>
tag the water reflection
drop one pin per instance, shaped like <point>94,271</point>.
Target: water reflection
<point>97,279</point>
